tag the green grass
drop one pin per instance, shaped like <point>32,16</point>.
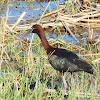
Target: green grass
<point>29,76</point>
<point>23,70</point>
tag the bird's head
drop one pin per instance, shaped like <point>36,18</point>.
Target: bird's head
<point>34,29</point>
<point>37,29</point>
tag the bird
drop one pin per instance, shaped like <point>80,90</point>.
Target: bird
<point>60,59</point>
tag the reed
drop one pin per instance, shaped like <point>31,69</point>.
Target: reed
<point>25,73</point>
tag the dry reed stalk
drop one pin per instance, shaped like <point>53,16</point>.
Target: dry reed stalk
<point>52,24</point>
<point>21,20</point>
<point>96,26</point>
<point>79,24</point>
<point>94,54</point>
<point>87,7</point>
<point>18,21</point>
<point>86,16</point>
<point>6,18</point>
<point>66,26</point>
<point>76,46</point>
<point>71,22</point>
<point>46,25</point>
<point>84,12</point>
<point>24,27</point>
<point>2,25</point>
<point>76,19</point>
<point>50,90</point>
<point>64,43</point>
<point>52,12</point>
<point>44,12</point>
<point>97,60</point>
<point>88,95</point>
<point>8,27</point>
<point>67,18</point>
<point>91,20</point>
<point>11,16</point>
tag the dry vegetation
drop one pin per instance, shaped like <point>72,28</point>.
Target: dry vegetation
<point>27,75</point>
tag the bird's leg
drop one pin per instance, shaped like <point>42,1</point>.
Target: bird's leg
<point>72,82</point>
<point>65,84</point>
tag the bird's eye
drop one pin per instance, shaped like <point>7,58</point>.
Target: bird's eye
<point>32,28</point>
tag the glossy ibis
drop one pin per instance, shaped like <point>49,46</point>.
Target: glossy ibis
<point>60,59</point>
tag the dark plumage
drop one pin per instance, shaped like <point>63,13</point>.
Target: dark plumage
<point>60,59</point>
<point>64,60</point>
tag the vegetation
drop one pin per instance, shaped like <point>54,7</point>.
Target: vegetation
<point>25,73</point>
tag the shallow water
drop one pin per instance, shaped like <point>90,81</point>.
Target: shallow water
<point>33,11</point>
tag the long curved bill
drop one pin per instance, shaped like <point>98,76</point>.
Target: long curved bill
<point>29,31</point>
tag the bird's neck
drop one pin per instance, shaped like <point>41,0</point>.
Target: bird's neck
<point>45,43</point>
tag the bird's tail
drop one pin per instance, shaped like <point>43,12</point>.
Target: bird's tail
<point>90,71</point>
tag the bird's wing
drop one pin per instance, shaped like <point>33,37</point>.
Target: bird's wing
<point>66,54</point>
<point>82,64</point>
<point>64,60</point>
<point>74,61</point>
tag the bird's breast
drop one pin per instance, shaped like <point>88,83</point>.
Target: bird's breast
<point>62,64</point>
<point>58,63</point>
